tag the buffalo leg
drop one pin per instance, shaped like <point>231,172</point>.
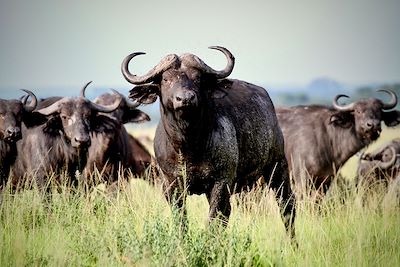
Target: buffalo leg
<point>322,186</point>
<point>176,196</point>
<point>280,183</point>
<point>218,199</point>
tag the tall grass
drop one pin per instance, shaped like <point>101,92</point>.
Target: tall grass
<point>133,225</point>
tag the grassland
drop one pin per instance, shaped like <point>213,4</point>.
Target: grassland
<point>132,225</point>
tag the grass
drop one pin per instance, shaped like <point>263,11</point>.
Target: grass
<point>134,226</point>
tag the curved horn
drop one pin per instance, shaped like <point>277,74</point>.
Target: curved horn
<point>393,101</point>
<point>164,64</point>
<point>194,61</point>
<point>336,105</point>
<point>32,104</point>
<point>128,103</point>
<point>24,99</point>
<point>53,108</point>
<point>108,108</point>
<point>131,104</point>
<point>387,164</point>
<point>82,94</point>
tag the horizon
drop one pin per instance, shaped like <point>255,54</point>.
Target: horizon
<point>274,86</point>
<point>95,90</point>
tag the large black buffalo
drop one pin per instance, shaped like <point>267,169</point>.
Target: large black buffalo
<point>62,142</point>
<point>12,114</point>
<point>320,139</point>
<point>382,164</point>
<point>216,136</point>
<point>113,148</point>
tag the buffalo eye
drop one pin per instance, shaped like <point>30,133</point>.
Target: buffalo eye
<point>86,121</point>
<point>68,120</point>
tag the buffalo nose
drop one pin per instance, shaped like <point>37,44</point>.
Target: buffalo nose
<point>82,141</point>
<point>372,125</point>
<point>185,97</point>
<point>13,132</point>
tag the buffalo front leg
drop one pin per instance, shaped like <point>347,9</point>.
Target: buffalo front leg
<point>176,197</point>
<point>218,199</point>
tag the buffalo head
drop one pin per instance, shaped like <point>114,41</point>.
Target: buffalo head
<point>179,81</point>
<point>75,117</point>
<point>366,115</point>
<point>383,165</point>
<point>12,113</point>
<point>127,110</point>
<point>386,155</point>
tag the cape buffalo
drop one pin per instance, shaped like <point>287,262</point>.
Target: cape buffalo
<point>12,113</point>
<point>114,148</point>
<point>382,164</point>
<point>216,136</point>
<point>62,142</point>
<point>320,139</point>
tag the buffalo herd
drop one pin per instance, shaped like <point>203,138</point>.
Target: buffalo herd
<point>216,136</point>
<point>320,139</point>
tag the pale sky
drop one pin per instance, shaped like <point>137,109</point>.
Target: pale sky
<point>48,43</point>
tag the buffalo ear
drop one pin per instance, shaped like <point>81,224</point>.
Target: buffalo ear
<point>218,89</point>
<point>103,123</point>
<point>135,115</point>
<point>218,93</point>
<point>33,119</point>
<point>53,125</point>
<point>145,94</point>
<point>391,118</point>
<point>342,119</point>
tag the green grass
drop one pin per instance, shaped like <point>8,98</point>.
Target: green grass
<point>135,226</point>
<point>132,225</point>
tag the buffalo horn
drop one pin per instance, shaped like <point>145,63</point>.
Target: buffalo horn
<point>387,164</point>
<point>336,105</point>
<point>53,108</point>
<point>101,108</point>
<point>108,108</point>
<point>164,64</point>
<point>393,101</point>
<point>194,61</point>
<point>32,105</point>
<point>82,94</point>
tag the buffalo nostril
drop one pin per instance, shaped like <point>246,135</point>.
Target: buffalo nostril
<point>78,142</point>
<point>179,99</point>
<point>192,97</point>
<point>13,131</point>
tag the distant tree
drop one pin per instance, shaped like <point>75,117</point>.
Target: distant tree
<point>393,87</point>
<point>364,92</point>
<point>292,99</point>
<point>368,91</point>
